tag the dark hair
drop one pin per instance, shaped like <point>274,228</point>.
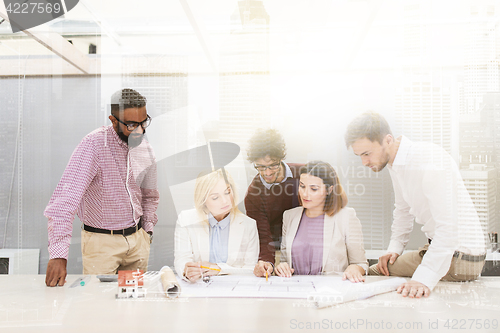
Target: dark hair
<point>370,125</point>
<point>126,98</point>
<point>266,142</point>
<point>336,199</point>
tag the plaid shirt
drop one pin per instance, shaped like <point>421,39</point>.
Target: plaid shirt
<point>108,186</point>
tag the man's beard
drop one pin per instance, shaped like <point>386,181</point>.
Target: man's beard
<point>132,140</point>
<point>382,165</point>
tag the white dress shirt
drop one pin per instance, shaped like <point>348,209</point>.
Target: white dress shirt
<point>429,190</point>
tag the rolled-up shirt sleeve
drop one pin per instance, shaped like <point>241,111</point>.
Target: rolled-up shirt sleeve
<point>79,173</point>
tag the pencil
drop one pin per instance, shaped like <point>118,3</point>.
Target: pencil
<point>214,269</point>
<point>266,275</point>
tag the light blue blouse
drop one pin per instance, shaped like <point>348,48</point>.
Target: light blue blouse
<point>219,238</point>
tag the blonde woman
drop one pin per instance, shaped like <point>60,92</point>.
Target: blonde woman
<point>322,236</point>
<point>215,237</point>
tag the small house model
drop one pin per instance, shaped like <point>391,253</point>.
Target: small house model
<point>131,284</point>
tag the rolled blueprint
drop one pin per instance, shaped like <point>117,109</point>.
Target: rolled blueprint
<point>169,283</point>
<point>361,291</point>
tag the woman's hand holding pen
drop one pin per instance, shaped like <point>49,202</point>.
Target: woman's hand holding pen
<point>261,267</point>
<point>354,273</point>
<point>196,270</point>
<point>192,271</point>
<point>209,268</point>
<point>284,270</point>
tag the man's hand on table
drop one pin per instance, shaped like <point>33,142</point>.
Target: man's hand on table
<point>56,272</point>
<point>413,289</point>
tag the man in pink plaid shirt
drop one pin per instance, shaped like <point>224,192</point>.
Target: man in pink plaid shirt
<point>110,183</point>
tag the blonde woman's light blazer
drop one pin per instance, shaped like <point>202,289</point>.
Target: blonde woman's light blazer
<point>342,240</point>
<point>192,243</point>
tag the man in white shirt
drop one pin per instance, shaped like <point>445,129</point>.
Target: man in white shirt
<point>429,190</point>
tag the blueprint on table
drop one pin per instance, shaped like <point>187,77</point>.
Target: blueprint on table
<point>300,286</point>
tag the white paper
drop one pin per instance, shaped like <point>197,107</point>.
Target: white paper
<point>297,287</point>
<point>357,291</point>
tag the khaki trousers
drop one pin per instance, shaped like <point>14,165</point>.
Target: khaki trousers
<point>107,254</point>
<point>406,264</point>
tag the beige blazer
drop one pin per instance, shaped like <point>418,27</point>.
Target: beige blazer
<point>342,239</point>
<point>192,243</point>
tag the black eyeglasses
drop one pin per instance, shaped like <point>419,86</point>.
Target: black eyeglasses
<point>133,125</point>
<point>271,167</point>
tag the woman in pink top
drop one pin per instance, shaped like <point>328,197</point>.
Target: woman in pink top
<point>322,236</point>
